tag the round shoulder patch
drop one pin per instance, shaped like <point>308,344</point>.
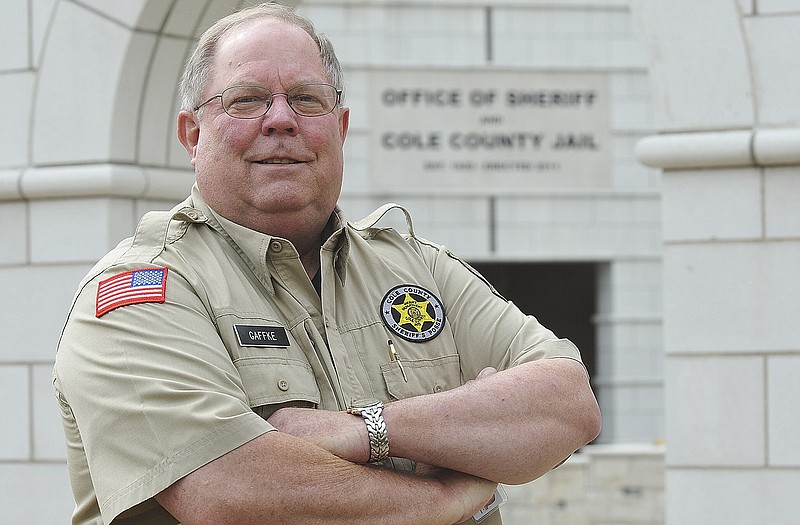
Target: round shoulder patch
<point>412,312</point>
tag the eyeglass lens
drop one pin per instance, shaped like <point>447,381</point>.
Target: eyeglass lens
<point>308,100</point>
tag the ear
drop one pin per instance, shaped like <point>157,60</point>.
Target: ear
<point>344,122</point>
<point>189,133</point>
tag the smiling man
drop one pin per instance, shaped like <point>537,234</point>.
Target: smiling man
<point>277,172</point>
<point>250,357</point>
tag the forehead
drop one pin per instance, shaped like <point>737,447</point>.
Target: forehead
<point>267,50</point>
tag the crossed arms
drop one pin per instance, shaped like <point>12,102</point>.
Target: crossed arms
<point>504,427</point>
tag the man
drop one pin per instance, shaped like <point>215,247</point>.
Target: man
<point>249,357</point>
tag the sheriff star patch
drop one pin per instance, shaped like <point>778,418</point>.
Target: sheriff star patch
<point>412,312</point>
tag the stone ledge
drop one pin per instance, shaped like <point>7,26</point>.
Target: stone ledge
<point>723,149</point>
<point>95,180</point>
<point>9,184</point>
<point>620,483</point>
<point>625,449</point>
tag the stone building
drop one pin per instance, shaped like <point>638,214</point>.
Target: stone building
<point>626,170</point>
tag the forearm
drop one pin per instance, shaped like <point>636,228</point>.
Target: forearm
<point>278,478</point>
<point>511,427</point>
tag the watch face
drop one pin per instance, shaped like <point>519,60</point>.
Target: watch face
<point>364,403</point>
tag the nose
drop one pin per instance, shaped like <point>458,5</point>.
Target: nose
<point>279,118</point>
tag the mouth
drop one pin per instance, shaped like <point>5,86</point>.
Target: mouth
<point>277,161</point>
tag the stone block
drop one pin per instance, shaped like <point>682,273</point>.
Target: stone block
<point>688,94</point>
<point>723,297</point>
<point>577,227</point>
<point>75,34</point>
<point>41,12</point>
<point>157,136</point>
<point>630,348</point>
<point>712,204</point>
<point>182,18</point>
<point>783,393</point>
<point>13,233</point>
<point>772,71</point>
<point>128,12</point>
<point>168,185</point>
<point>732,497</point>
<point>95,226</point>
<point>532,36</point>
<point>630,289</point>
<point>773,7</point>
<point>133,106</point>
<point>558,497</point>
<point>15,28</point>
<point>781,210</point>
<point>17,90</point>
<point>35,494</point>
<point>403,34</point>
<point>747,7</point>
<point>358,176</point>
<point>631,107</point>
<point>631,505</point>
<point>603,484</point>
<point>15,437</point>
<point>715,411</point>
<point>36,300</point>
<point>48,434</point>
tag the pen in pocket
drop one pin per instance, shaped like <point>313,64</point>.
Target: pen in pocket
<point>394,357</point>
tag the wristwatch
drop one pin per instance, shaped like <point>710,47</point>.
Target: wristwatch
<point>371,410</point>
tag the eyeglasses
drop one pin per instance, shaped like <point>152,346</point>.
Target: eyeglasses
<point>307,100</point>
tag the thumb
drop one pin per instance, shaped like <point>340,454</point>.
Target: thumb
<point>486,372</point>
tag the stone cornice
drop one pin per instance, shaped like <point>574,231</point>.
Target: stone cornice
<point>722,149</point>
<point>95,180</point>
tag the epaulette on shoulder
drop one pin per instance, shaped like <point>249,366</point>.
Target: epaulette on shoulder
<point>370,221</point>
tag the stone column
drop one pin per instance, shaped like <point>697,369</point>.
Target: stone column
<point>730,153</point>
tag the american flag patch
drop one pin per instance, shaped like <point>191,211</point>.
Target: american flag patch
<point>147,285</point>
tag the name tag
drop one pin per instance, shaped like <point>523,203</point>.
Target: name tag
<point>261,336</point>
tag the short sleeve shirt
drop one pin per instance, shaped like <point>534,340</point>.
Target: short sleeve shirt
<point>152,390</point>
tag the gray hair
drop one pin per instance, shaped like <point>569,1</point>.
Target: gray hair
<point>198,67</point>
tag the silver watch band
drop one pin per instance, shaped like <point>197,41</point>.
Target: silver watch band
<point>376,430</point>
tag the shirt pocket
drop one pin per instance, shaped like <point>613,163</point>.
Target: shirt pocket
<point>273,379</point>
<point>422,376</point>
<point>271,363</point>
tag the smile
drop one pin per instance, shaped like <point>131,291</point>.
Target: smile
<point>277,161</point>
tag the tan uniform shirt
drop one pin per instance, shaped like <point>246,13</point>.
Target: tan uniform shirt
<point>151,391</point>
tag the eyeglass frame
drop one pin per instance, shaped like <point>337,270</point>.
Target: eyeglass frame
<point>268,104</point>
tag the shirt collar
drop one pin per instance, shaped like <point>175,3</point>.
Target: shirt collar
<point>338,243</point>
<point>254,246</point>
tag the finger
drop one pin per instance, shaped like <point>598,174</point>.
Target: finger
<point>486,372</point>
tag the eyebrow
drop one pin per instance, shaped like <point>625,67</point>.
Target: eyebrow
<point>243,83</point>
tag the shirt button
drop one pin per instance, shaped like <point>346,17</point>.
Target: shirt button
<point>437,388</point>
<point>283,385</point>
<point>276,246</point>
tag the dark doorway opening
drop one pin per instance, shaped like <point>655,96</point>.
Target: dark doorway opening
<point>562,296</point>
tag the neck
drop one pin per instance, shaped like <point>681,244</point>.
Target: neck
<point>311,262</point>
<point>305,232</point>
<point>307,237</point>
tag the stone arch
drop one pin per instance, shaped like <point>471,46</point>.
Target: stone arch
<point>107,79</point>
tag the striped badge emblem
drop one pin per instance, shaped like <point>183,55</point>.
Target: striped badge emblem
<point>146,285</point>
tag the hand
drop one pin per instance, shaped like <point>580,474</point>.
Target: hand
<point>340,433</point>
<point>486,372</point>
<point>483,374</point>
<point>470,493</point>
<point>345,436</point>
